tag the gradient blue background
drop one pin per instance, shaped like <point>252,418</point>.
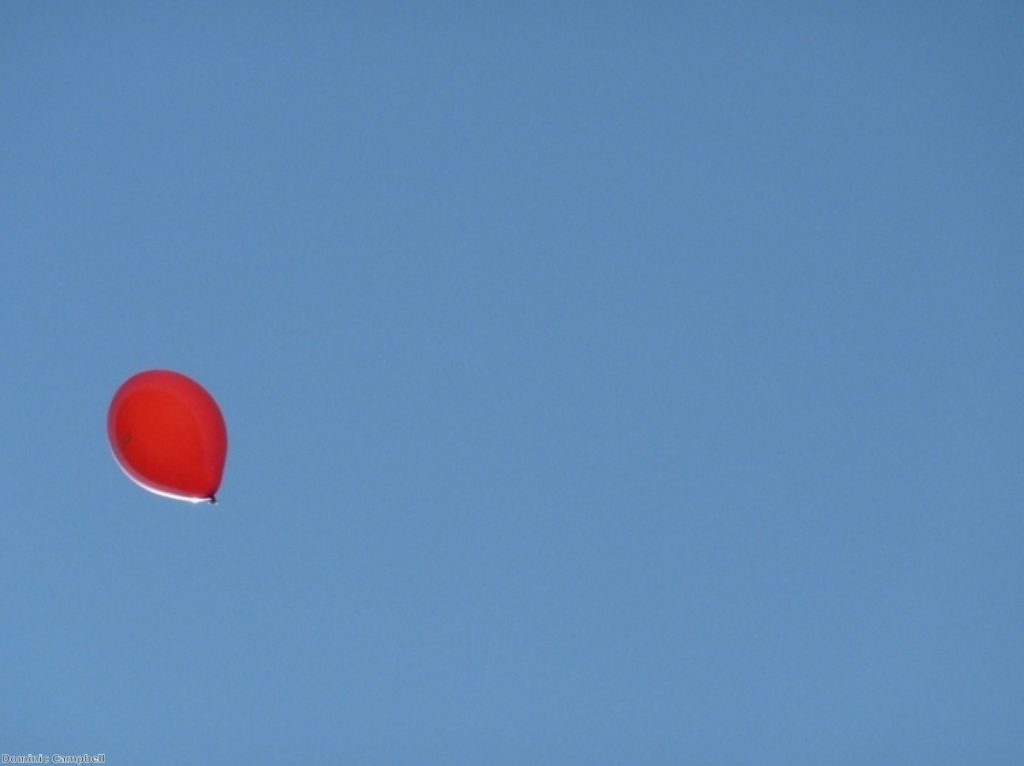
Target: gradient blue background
<point>606,383</point>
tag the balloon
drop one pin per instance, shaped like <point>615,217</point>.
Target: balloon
<point>167,433</point>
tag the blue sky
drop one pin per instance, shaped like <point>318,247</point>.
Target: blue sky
<point>605,384</point>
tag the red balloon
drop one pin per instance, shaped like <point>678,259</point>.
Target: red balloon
<point>167,433</point>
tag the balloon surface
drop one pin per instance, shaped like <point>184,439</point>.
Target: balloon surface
<point>168,434</point>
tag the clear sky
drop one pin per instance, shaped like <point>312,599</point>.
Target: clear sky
<point>606,383</point>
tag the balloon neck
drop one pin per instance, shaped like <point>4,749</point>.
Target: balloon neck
<point>213,499</point>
